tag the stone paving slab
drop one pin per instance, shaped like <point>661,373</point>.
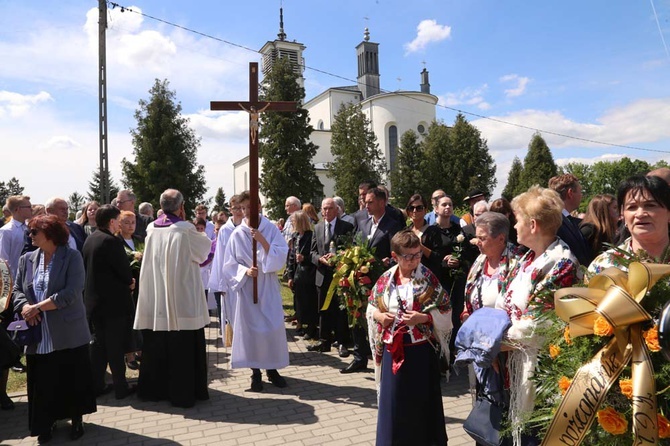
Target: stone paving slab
<point>320,406</point>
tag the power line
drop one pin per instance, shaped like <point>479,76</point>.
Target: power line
<point>337,76</point>
<point>660,31</point>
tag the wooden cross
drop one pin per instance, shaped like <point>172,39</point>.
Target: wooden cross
<point>254,107</point>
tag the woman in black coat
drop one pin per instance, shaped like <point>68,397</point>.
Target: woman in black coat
<point>109,302</point>
<point>301,276</point>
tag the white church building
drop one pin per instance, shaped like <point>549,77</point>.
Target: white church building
<point>390,113</point>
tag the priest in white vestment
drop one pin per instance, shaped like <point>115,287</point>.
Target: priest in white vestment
<point>259,334</point>
<point>172,308</point>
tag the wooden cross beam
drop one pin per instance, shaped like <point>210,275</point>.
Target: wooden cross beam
<point>254,108</point>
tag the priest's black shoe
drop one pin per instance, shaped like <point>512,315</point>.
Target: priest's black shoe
<point>319,347</point>
<point>276,379</point>
<point>355,366</point>
<point>256,382</point>
<point>77,429</point>
<point>342,351</point>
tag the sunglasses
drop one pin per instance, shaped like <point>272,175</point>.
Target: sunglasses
<point>410,257</point>
<point>33,232</point>
<point>418,208</point>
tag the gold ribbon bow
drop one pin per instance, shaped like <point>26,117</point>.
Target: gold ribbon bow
<point>616,296</point>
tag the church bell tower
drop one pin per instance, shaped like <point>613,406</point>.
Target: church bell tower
<point>368,66</point>
<point>281,47</point>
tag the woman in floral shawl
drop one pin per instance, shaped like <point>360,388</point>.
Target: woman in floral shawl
<point>547,266</point>
<point>408,315</point>
<point>645,206</point>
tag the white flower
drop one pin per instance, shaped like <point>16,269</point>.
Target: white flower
<point>460,238</point>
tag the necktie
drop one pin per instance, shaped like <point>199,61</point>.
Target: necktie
<point>329,234</point>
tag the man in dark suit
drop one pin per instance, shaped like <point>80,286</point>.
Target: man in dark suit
<point>362,214</point>
<point>570,190</point>
<point>377,231</point>
<point>330,229</point>
<point>108,299</point>
<point>59,208</point>
<point>125,201</point>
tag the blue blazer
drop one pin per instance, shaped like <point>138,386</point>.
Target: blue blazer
<point>67,324</point>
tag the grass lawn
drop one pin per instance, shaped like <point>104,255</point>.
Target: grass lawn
<point>17,381</point>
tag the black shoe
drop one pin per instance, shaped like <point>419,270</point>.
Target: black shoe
<point>77,429</point>
<point>19,367</point>
<point>105,390</point>
<point>133,365</point>
<point>6,402</point>
<point>322,347</point>
<point>355,366</point>
<point>127,392</point>
<point>300,332</point>
<point>336,344</point>
<point>256,382</point>
<point>276,379</point>
<point>343,352</point>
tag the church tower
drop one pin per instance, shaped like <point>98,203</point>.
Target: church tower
<point>368,66</point>
<point>281,47</point>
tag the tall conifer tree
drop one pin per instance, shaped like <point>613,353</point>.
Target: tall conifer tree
<point>284,144</point>
<point>407,178</point>
<point>513,186</point>
<point>165,150</point>
<point>538,165</point>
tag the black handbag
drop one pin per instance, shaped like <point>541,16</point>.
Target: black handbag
<point>9,351</point>
<point>23,334</point>
<point>485,422</point>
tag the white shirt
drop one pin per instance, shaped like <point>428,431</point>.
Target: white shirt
<point>11,244</point>
<point>209,230</point>
<point>332,229</point>
<point>374,226</point>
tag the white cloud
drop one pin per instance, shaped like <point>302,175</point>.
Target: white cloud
<point>15,104</point>
<point>467,96</point>
<point>428,31</point>
<point>519,89</point>
<point>60,142</point>
<point>210,124</point>
<point>636,124</point>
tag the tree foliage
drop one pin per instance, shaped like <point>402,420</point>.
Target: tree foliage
<point>95,187</point>
<point>75,202</point>
<point>407,178</point>
<point>355,154</point>
<point>513,186</point>
<point>284,144</point>
<point>457,160</point>
<point>12,187</point>
<point>165,150</point>
<point>538,165</point>
<point>220,202</point>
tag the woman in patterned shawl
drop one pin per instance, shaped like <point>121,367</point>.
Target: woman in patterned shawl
<point>547,266</point>
<point>408,315</point>
<point>645,206</point>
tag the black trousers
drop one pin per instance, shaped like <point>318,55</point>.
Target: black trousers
<point>361,344</point>
<point>111,338</point>
<point>332,319</point>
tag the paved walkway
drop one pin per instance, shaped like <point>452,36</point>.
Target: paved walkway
<point>320,406</point>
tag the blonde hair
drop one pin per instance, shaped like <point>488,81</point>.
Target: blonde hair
<point>542,205</point>
<point>13,202</point>
<point>301,221</point>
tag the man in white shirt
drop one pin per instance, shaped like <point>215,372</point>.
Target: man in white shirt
<point>291,205</point>
<point>58,207</point>
<point>12,234</point>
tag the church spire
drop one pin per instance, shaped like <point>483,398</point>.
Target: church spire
<point>282,34</point>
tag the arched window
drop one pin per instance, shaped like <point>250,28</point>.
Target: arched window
<point>319,126</point>
<point>393,145</point>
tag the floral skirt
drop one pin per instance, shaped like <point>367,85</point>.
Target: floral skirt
<point>410,402</point>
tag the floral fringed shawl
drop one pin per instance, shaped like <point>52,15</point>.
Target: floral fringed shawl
<point>429,298</point>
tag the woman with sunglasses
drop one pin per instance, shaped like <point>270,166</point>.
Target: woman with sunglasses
<point>48,293</point>
<point>409,316</point>
<point>416,209</point>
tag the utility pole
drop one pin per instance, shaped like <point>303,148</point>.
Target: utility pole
<point>102,94</point>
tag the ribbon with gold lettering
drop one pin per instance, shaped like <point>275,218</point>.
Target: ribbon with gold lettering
<point>5,285</point>
<point>616,296</point>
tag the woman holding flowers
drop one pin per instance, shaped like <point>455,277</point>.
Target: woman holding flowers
<point>408,314</point>
<point>547,266</point>
<point>645,205</point>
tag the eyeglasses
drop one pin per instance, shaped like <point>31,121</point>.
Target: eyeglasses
<point>33,232</point>
<point>418,208</point>
<point>410,257</point>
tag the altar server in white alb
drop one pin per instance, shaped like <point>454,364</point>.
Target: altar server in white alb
<point>259,335</point>
<point>172,308</point>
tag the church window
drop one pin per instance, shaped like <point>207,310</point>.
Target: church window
<point>393,145</point>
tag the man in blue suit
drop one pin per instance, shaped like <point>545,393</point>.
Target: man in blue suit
<point>58,207</point>
<point>377,231</point>
<point>568,187</point>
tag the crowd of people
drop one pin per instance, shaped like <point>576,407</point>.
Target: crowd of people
<point>119,289</point>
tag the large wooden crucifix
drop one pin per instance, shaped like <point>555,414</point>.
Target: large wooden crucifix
<point>254,108</point>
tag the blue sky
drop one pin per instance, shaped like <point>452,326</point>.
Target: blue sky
<point>596,70</point>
